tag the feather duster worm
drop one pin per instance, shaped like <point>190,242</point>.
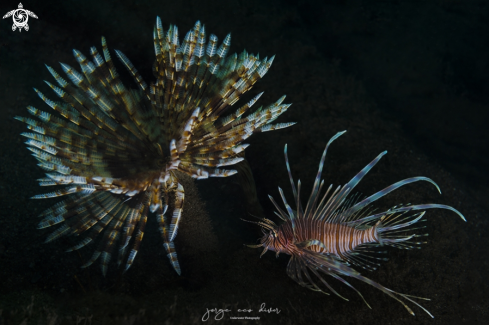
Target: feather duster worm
<point>339,231</point>
<point>119,151</point>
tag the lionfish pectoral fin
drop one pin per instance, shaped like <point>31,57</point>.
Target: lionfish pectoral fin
<point>309,261</point>
<point>392,293</point>
<point>315,262</point>
<point>330,265</point>
<point>311,242</point>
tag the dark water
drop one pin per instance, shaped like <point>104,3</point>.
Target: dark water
<point>407,77</point>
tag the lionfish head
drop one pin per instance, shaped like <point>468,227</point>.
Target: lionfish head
<point>272,237</point>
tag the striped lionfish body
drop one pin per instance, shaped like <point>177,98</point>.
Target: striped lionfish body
<point>120,151</point>
<point>338,231</point>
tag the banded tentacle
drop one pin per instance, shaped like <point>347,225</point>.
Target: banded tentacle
<point>117,151</point>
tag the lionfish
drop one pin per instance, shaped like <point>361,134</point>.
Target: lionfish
<point>340,231</point>
<point>120,151</point>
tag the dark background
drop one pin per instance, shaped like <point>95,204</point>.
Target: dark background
<point>410,77</point>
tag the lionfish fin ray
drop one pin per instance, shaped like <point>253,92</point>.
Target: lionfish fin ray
<point>406,209</point>
<point>342,195</point>
<point>300,263</point>
<point>374,197</point>
<point>317,181</point>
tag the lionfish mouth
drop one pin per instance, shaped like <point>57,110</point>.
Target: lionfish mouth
<point>117,150</point>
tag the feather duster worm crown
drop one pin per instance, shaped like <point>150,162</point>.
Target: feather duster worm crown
<point>119,150</point>
<point>338,231</point>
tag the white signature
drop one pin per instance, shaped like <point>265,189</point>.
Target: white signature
<point>219,313</point>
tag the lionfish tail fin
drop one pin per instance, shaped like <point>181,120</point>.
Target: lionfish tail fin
<point>393,230</point>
